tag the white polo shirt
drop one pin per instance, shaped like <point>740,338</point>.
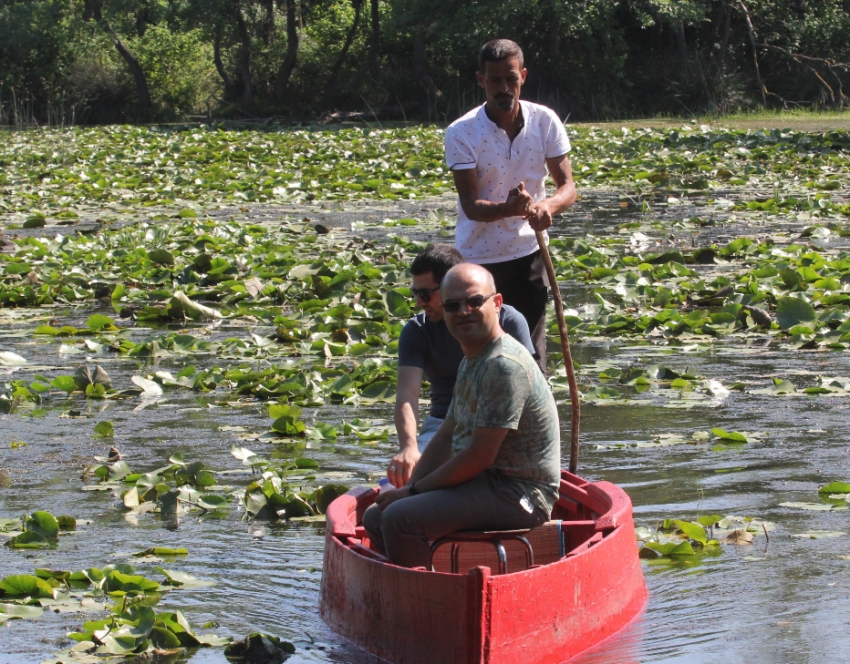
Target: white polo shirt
<point>475,141</point>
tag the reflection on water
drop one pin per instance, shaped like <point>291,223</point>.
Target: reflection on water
<point>777,602</point>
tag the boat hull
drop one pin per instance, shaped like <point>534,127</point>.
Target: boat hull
<point>543,615</point>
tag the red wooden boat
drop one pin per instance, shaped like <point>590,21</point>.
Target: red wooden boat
<point>586,585</point>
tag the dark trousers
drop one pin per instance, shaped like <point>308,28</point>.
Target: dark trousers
<point>522,285</point>
<point>406,528</point>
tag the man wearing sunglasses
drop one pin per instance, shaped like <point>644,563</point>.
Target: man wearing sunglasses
<point>427,349</point>
<point>494,462</point>
<point>500,154</point>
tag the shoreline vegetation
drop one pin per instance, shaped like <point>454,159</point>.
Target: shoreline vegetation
<point>806,120</point>
<point>102,62</point>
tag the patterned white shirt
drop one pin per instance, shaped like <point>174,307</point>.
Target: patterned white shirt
<point>475,141</point>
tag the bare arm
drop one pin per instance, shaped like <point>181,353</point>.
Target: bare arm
<point>540,214</point>
<point>454,470</point>
<point>406,425</point>
<point>466,464</point>
<point>477,209</point>
<point>438,452</point>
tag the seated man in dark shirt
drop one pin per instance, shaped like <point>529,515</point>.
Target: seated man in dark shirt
<point>427,349</point>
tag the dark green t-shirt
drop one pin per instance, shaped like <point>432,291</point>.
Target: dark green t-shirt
<point>502,387</point>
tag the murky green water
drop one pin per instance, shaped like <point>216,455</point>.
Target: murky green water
<point>782,601</point>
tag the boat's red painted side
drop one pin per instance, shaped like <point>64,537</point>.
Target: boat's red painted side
<point>543,615</point>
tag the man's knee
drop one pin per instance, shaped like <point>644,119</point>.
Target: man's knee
<point>396,518</point>
<point>372,519</point>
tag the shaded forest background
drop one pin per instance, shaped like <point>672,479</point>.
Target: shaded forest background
<point>110,61</point>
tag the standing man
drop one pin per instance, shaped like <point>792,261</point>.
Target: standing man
<point>500,154</point>
<point>426,348</point>
<point>494,462</point>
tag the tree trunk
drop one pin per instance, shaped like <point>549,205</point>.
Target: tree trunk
<point>93,11</point>
<point>219,65</point>
<point>349,39</point>
<point>245,59</point>
<point>281,83</point>
<point>681,45</point>
<point>419,55</point>
<point>268,20</point>
<point>724,35</point>
<point>551,75</point>
<point>752,35</point>
<point>375,41</point>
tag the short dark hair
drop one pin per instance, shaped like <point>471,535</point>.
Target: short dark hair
<point>499,49</point>
<point>436,258</point>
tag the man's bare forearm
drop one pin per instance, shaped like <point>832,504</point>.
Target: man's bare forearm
<point>562,199</point>
<point>405,425</point>
<point>487,211</point>
<point>437,453</point>
<point>466,464</point>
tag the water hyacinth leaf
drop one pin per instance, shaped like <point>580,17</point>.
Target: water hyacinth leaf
<point>64,383</point>
<point>25,584</point>
<point>672,549</point>
<point>17,611</point>
<point>601,394</point>
<point>780,387</point>
<point>812,507</point>
<point>259,647</point>
<point>10,359</point>
<point>709,521</point>
<point>379,391</point>
<point>175,578</point>
<point>739,537</point>
<point>322,431</point>
<point>213,502</point>
<point>835,487</point>
<point>692,530</point>
<point>118,582</point>
<point>66,523</point>
<point>161,256</point>
<point>304,462</point>
<point>85,378</point>
<point>397,304</point>
<point>791,311</point>
<point>181,307</point>
<point>29,540</point>
<point>729,436</point>
<point>363,430</point>
<point>131,498</point>
<point>287,420</point>
<point>149,388</point>
<point>104,429</point>
<point>100,323</point>
<point>342,386</point>
<point>43,523</point>
<point>255,501</point>
<point>246,456</point>
<point>162,551</point>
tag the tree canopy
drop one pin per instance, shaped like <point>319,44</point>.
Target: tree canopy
<point>97,61</point>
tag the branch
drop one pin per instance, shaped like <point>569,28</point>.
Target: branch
<point>830,64</point>
<point>752,34</point>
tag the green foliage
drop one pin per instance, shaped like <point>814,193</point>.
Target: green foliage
<point>179,68</point>
<point>57,56</point>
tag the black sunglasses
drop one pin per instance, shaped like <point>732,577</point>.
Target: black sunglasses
<point>474,302</point>
<point>424,294</point>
